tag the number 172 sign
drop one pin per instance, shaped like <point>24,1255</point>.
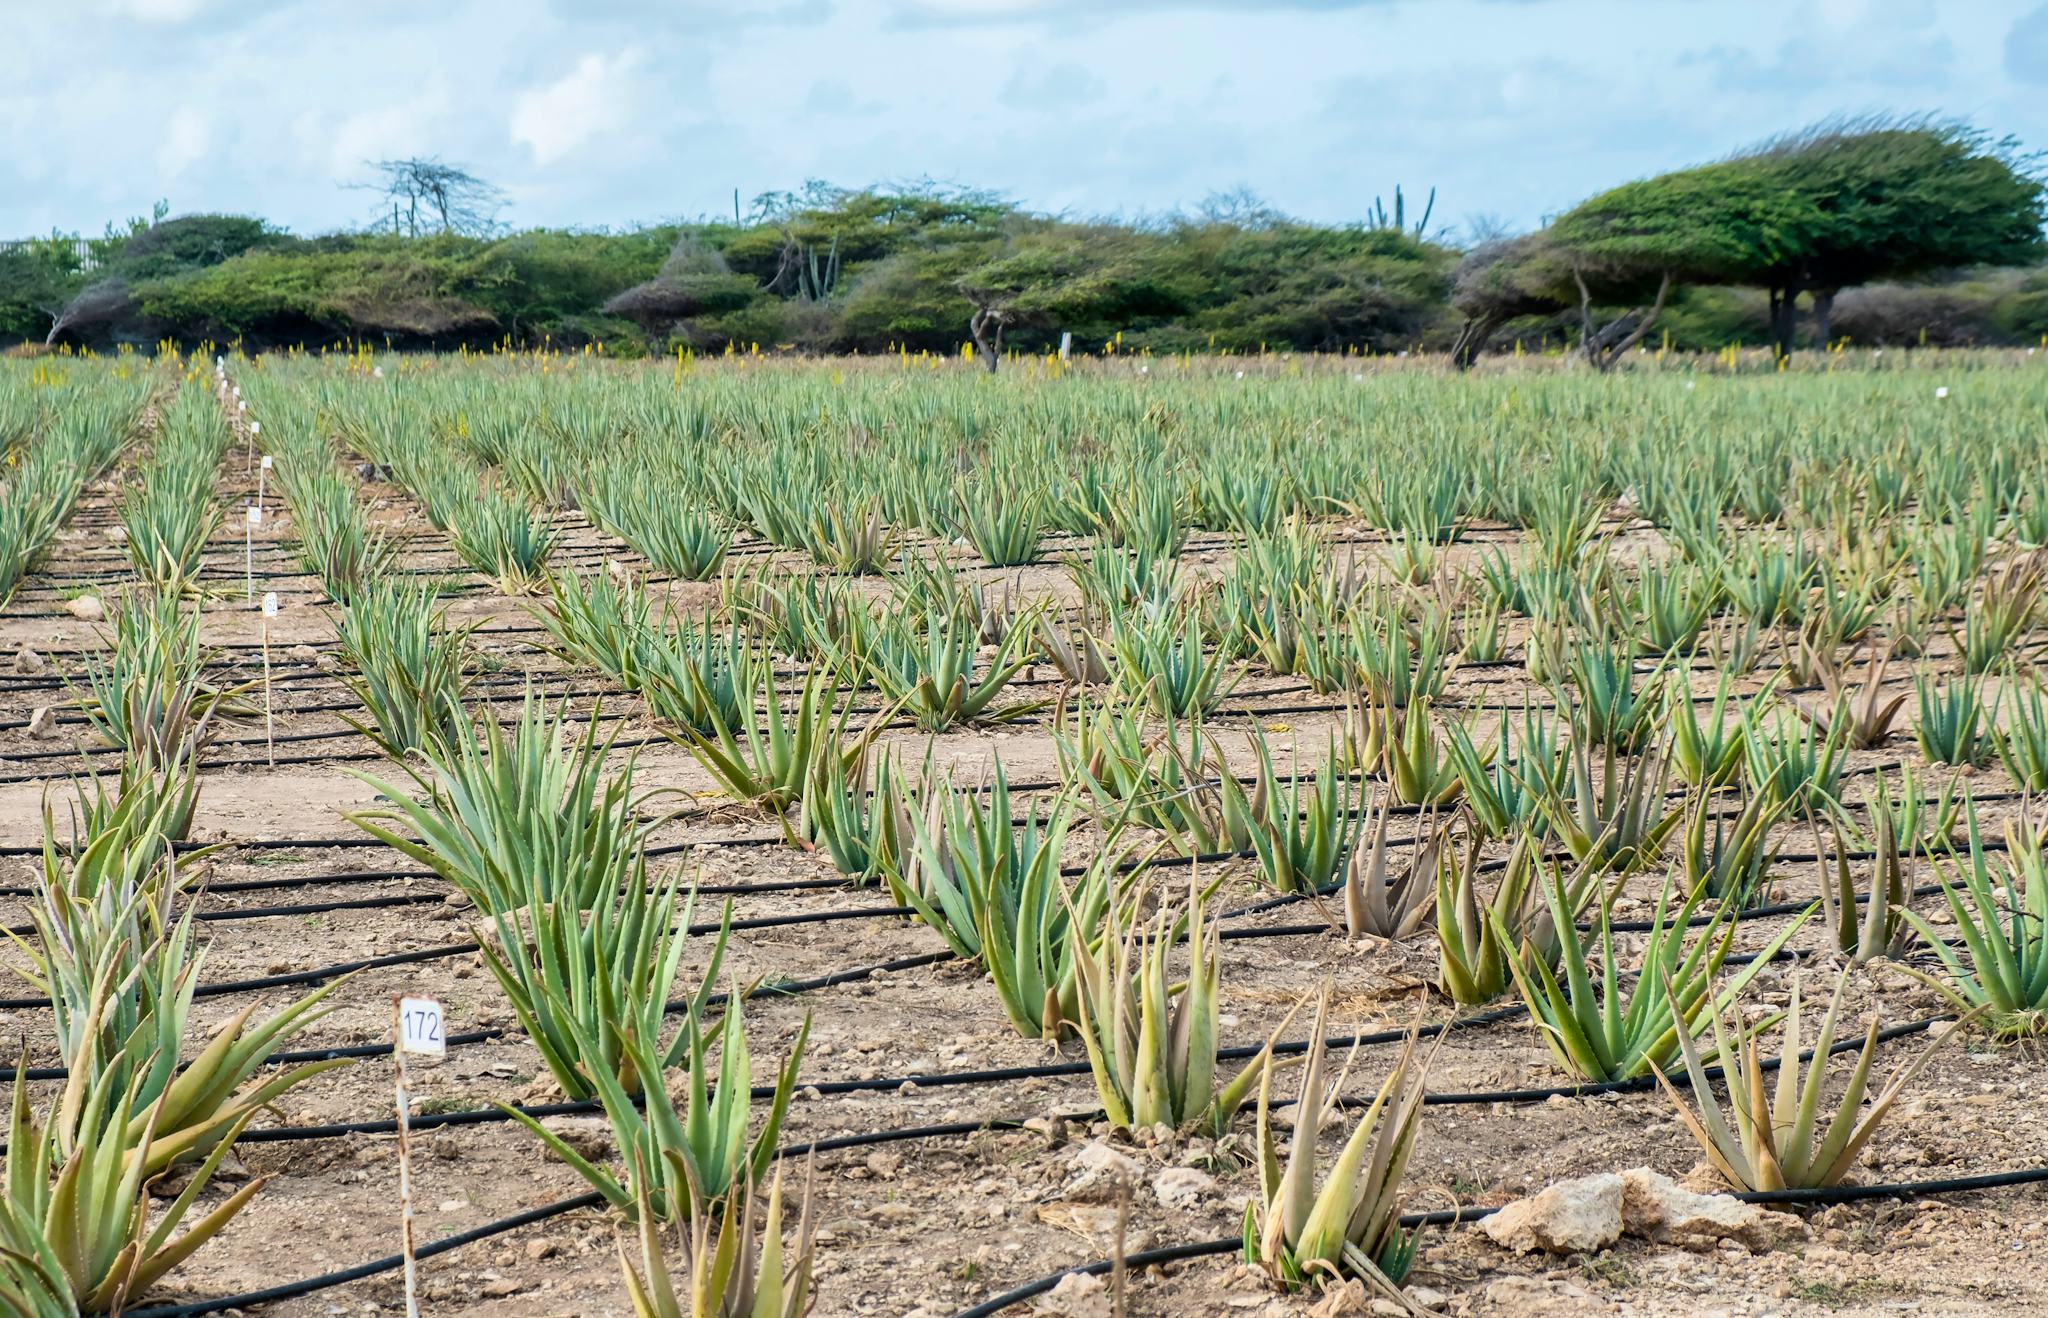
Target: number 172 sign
<point>419,1028</point>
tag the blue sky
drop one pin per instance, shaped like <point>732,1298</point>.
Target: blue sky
<point>612,112</point>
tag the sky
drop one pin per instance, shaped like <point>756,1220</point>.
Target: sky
<point>592,113</point>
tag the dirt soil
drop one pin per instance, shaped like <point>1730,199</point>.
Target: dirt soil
<point>931,1225</point>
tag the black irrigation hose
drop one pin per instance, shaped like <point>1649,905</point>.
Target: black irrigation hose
<point>458,949</point>
<point>389,1263</point>
<point>283,712</point>
<point>429,898</point>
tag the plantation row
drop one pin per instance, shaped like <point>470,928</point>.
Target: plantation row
<point>1567,649</point>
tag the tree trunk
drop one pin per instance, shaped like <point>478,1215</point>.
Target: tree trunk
<point>1604,345</point>
<point>987,330</point>
<point>1784,320</point>
<point>1472,337</point>
<point>1824,318</point>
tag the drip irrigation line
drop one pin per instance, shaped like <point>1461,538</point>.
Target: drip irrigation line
<point>411,899</point>
<point>389,1263</point>
<point>392,1262</point>
<point>407,876</point>
<point>333,707</point>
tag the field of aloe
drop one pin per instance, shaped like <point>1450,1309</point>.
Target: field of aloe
<point>885,836</point>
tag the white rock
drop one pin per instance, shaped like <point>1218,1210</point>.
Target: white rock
<point>86,608</point>
<point>1589,1213</point>
<point>1183,1187</point>
<point>43,722</point>
<point>1656,1208</point>
<point>27,662</point>
<point>1079,1295</point>
<point>1100,1172</point>
<point>1571,1217</point>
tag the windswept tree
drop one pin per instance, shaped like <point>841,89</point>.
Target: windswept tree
<point>1061,275</point>
<point>1833,207</point>
<point>1891,200</point>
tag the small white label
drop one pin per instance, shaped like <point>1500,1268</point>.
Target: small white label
<point>241,407</point>
<point>256,428</point>
<point>419,1027</point>
<point>238,391</point>
<point>270,604</point>
<point>267,463</point>
<point>254,514</point>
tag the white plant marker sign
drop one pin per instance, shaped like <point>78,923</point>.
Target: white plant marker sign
<point>416,1031</point>
<point>252,517</point>
<point>269,732</point>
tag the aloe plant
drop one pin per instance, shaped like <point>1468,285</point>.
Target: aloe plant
<point>499,536</point>
<point>2022,742</point>
<point>1803,770</point>
<point>727,1278</point>
<point>1777,1140</point>
<point>1862,717</point>
<point>520,813</point>
<point>1152,1043</point>
<point>1302,832</point>
<point>1631,1024</point>
<point>1707,753</point>
<point>1953,723</point>
<point>685,1159</point>
<point>766,755</point>
<point>940,680</point>
<point>859,814</point>
<point>995,893</point>
<point>1617,822</point>
<point>149,695</point>
<point>1731,864</point>
<point>1164,661</point>
<point>1376,901</point>
<point>75,1230</point>
<point>1296,1230</point>
<point>1005,528</point>
<point>2001,966</point>
<point>405,664</point>
<point>1872,923</point>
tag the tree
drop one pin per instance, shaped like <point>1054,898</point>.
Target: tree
<point>1061,274</point>
<point>1833,207</point>
<point>1888,200</point>
<point>446,198</point>
<point>37,279</point>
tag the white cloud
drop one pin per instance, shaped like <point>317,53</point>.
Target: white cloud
<point>187,133</point>
<point>554,120</point>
